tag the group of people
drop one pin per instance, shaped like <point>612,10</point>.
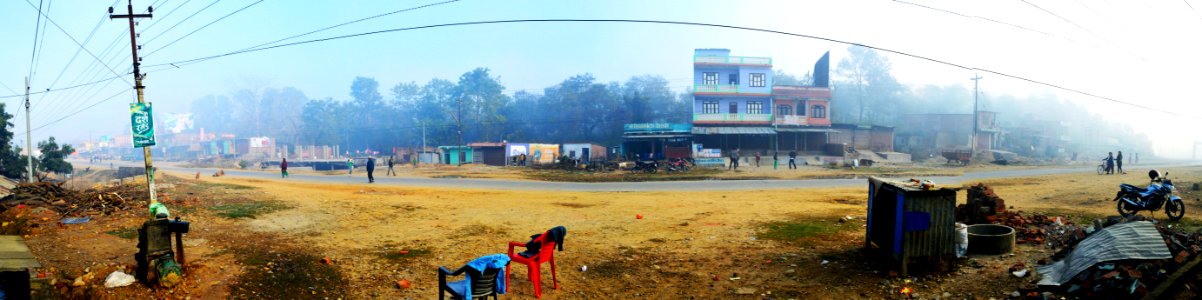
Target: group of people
<point>734,160</point>
<point>350,168</point>
<point>1114,163</point>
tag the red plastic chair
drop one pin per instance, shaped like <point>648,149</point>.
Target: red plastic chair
<point>546,253</point>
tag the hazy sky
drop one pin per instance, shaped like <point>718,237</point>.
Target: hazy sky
<point>1144,52</point>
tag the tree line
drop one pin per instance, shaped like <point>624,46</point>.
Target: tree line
<point>578,109</point>
<point>15,165</point>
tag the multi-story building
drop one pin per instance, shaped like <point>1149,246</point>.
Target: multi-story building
<point>732,101</point>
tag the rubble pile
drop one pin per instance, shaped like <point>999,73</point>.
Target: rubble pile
<point>1126,278</point>
<point>67,202</point>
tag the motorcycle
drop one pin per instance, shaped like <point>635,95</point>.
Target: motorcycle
<point>1132,199</point>
<point>677,165</point>
<point>650,166</point>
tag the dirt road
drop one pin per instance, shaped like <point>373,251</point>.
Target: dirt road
<point>702,185</point>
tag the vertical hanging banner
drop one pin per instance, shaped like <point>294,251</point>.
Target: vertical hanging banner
<point>142,124</point>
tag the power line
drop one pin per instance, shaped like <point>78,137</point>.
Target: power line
<point>684,23</point>
<point>52,22</point>
<point>73,56</point>
<point>202,9</point>
<point>42,44</point>
<point>349,22</point>
<point>36,26</point>
<point>1083,28</point>
<point>74,113</point>
<point>1191,8</point>
<point>160,19</point>
<point>203,27</point>
<point>991,20</point>
<point>515,21</point>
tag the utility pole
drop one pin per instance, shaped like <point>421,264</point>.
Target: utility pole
<point>133,40</point>
<point>459,128</point>
<point>975,102</point>
<point>28,136</point>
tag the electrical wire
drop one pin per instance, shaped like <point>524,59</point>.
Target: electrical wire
<point>992,20</point>
<point>683,23</point>
<point>52,22</point>
<point>202,27</point>
<point>1083,29</point>
<point>36,26</point>
<point>42,44</point>
<point>515,21</point>
<point>202,9</point>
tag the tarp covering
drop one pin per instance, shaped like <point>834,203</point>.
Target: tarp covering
<point>733,130</point>
<point>1132,240</point>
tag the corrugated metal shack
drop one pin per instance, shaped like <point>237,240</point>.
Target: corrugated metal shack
<point>907,221</point>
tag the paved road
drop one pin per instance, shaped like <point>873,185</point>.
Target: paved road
<point>360,177</point>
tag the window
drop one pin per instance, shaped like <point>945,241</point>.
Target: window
<point>801,111</point>
<point>709,107</point>
<point>734,79</point>
<point>734,108</point>
<point>784,110</point>
<point>819,111</point>
<point>757,79</point>
<point>755,107</point>
<point>709,78</point>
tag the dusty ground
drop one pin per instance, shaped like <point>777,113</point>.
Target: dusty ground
<point>687,245</point>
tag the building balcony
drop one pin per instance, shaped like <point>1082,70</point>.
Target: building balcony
<point>732,118</point>
<point>729,89</point>
<point>791,120</point>
<point>733,60</point>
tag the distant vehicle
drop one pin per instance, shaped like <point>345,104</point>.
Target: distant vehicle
<point>649,166</point>
<point>1132,199</point>
<point>677,165</point>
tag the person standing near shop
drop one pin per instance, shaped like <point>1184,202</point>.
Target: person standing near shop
<point>793,159</point>
<point>284,167</point>
<point>391,171</point>
<point>371,168</point>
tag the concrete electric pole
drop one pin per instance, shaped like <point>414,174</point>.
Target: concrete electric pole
<point>28,136</point>
<point>975,114</point>
<point>133,39</point>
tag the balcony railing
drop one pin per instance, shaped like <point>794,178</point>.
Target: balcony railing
<point>732,117</point>
<point>790,120</point>
<point>729,89</point>
<point>739,60</point>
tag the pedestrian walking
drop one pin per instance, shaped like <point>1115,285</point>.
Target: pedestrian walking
<point>1109,163</point>
<point>757,159</point>
<point>775,163</point>
<point>735,160</point>
<point>371,167</point>
<point>350,166</point>
<point>391,171</point>
<point>793,159</point>
<point>1118,162</point>
<point>284,167</point>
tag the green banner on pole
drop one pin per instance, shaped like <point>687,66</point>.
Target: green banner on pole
<point>142,124</point>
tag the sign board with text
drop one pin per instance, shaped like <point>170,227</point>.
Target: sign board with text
<point>142,124</point>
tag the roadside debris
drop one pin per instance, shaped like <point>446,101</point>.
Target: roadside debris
<point>118,279</point>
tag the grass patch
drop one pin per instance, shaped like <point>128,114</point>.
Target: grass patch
<point>247,209</point>
<point>285,274</point>
<point>413,253</point>
<point>228,186</point>
<point>479,230</point>
<point>125,233</point>
<point>573,205</point>
<point>796,230</point>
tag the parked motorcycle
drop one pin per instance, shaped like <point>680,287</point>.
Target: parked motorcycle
<point>650,166</point>
<point>677,165</point>
<point>1132,199</point>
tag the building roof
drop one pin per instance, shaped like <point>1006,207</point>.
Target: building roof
<point>486,144</point>
<point>733,130</point>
